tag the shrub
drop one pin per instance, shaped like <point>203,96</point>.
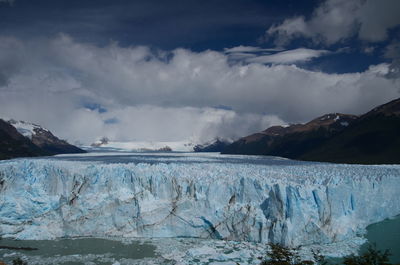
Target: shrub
<point>280,255</point>
<point>19,261</point>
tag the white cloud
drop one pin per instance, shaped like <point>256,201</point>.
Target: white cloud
<point>336,20</point>
<point>249,54</point>
<point>240,56</point>
<point>288,57</point>
<point>251,49</point>
<point>169,95</point>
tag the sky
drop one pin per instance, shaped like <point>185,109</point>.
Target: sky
<point>193,70</point>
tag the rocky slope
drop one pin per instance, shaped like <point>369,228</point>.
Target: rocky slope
<point>371,138</point>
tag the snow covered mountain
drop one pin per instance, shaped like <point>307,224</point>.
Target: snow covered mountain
<point>27,129</point>
<point>14,144</point>
<point>43,139</point>
<point>204,196</point>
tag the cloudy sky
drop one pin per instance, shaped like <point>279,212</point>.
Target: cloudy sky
<point>150,70</point>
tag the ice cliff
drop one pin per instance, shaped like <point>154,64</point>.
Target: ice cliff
<point>291,204</point>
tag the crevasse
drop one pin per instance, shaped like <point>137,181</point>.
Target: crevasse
<point>297,204</point>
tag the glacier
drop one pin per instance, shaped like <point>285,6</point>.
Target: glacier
<point>209,196</point>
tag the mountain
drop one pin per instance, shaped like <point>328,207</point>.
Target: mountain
<point>14,144</point>
<point>22,139</point>
<point>373,138</point>
<point>291,141</point>
<point>217,145</point>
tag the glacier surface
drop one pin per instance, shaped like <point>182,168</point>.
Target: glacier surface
<point>194,195</point>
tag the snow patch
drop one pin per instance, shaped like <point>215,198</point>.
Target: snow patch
<point>25,128</point>
<point>344,123</point>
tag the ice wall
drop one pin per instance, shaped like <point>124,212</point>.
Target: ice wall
<point>292,204</point>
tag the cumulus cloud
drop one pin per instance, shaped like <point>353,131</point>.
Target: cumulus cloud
<point>169,95</point>
<point>156,123</point>
<point>336,20</point>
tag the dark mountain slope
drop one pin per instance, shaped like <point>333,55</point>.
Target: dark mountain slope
<point>373,139</point>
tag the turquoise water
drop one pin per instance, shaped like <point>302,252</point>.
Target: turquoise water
<point>386,235</point>
<point>383,236</point>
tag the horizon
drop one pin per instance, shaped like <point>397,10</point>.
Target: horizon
<point>181,70</point>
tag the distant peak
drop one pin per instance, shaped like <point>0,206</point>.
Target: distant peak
<point>333,117</point>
